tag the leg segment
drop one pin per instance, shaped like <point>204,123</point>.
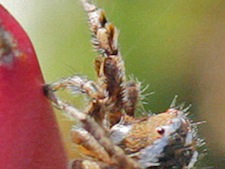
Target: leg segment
<point>131,97</point>
<point>109,65</point>
<point>79,84</point>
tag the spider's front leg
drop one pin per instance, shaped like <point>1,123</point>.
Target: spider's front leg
<point>122,95</point>
<point>79,84</point>
<point>74,84</point>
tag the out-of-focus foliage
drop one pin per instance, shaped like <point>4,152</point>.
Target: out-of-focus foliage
<point>178,47</point>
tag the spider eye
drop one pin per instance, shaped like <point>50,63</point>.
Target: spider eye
<point>160,130</point>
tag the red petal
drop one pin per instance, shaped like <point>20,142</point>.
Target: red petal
<point>29,135</point>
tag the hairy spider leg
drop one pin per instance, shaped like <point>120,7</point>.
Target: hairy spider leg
<point>110,67</point>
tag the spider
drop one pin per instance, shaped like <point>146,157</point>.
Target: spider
<point>109,134</point>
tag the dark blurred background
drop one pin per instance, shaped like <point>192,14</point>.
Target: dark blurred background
<point>177,47</point>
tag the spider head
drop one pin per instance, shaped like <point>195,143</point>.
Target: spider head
<point>165,140</point>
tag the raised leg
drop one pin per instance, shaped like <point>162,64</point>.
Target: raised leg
<point>110,66</point>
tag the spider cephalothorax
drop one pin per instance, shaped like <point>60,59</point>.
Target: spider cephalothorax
<point>109,134</point>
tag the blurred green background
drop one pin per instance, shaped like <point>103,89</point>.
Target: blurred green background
<point>175,46</point>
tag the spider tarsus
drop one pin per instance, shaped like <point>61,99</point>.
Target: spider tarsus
<point>47,90</point>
